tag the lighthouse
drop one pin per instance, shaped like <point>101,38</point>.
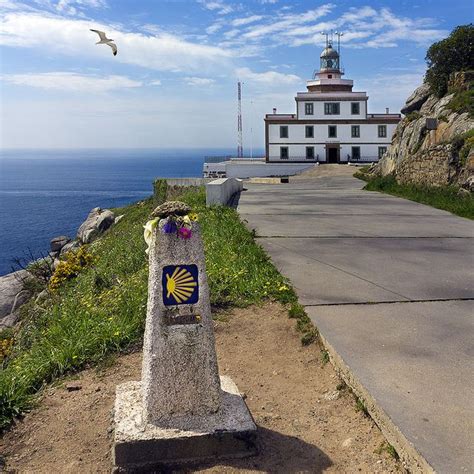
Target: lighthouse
<point>331,123</point>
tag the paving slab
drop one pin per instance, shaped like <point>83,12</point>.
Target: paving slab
<point>416,360</point>
<point>390,285</point>
<point>386,225</point>
<point>414,269</point>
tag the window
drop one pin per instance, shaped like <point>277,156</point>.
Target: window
<point>331,108</point>
<point>332,131</point>
<point>382,131</point>
<point>329,76</point>
<point>283,152</point>
<point>309,131</point>
<point>355,131</point>
<point>382,150</point>
<point>356,152</point>
<point>355,108</point>
<point>310,152</point>
<point>308,108</point>
<point>284,131</point>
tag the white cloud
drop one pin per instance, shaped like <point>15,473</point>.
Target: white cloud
<point>71,7</point>
<point>72,37</point>
<point>71,82</point>
<point>269,77</point>
<point>246,20</point>
<point>199,81</point>
<point>287,21</point>
<point>214,28</point>
<point>217,5</point>
<point>156,82</point>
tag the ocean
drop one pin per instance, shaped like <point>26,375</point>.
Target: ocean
<point>48,193</point>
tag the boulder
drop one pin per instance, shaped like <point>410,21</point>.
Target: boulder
<point>73,245</point>
<point>97,222</point>
<point>57,243</point>
<point>417,99</point>
<point>12,296</point>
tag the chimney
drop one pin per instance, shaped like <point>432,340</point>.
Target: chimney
<point>274,110</point>
<point>387,110</point>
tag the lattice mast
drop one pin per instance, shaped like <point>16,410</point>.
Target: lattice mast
<point>240,147</point>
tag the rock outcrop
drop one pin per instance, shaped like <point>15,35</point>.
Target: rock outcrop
<point>57,243</point>
<point>12,296</point>
<point>430,157</point>
<point>97,222</point>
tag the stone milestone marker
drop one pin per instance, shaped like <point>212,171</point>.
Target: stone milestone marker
<point>181,411</point>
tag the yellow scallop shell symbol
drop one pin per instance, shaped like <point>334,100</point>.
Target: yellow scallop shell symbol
<point>180,285</point>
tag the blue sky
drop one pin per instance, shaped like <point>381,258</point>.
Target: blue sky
<point>173,82</point>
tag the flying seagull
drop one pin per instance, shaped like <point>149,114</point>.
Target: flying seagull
<point>105,40</point>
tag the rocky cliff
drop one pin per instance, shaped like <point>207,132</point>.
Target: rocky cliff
<point>436,152</point>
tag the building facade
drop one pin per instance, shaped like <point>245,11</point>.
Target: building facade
<point>331,123</point>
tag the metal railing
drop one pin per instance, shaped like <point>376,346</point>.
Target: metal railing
<point>219,159</point>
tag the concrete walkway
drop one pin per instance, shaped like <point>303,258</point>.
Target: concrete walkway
<point>389,283</point>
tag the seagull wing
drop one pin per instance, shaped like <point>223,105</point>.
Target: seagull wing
<point>114,48</point>
<point>101,35</point>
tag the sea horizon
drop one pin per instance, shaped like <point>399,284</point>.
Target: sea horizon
<point>49,192</point>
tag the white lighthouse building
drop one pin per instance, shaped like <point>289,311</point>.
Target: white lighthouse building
<point>331,123</point>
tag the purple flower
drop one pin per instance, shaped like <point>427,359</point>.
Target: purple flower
<point>184,233</point>
<point>169,227</point>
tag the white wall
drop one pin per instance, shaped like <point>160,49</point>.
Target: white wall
<point>219,191</point>
<point>298,152</point>
<point>344,108</point>
<point>296,133</point>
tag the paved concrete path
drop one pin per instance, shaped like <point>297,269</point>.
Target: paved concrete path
<point>389,283</point>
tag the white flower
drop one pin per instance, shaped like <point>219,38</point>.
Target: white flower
<point>187,222</point>
<point>148,233</point>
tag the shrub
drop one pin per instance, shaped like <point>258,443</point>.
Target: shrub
<point>415,115</point>
<point>160,190</point>
<point>452,54</point>
<point>6,344</point>
<point>463,101</point>
<point>462,144</point>
<point>69,268</point>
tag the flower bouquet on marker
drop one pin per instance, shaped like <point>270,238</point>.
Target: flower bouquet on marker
<point>177,219</point>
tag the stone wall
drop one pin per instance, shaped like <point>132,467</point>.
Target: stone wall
<point>421,156</point>
<point>432,167</point>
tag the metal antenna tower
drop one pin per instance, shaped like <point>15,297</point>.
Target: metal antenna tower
<point>339,34</point>
<point>240,147</point>
<point>327,37</point>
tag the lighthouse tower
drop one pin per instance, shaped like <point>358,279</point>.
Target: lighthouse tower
<point>329,76</point>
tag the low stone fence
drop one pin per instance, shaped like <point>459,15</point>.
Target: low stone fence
<point>185,182</point>
<point>220,191</point>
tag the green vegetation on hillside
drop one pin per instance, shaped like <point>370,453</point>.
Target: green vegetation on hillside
<point>446,198</point>
<point>102,309</point>
<point>463,101</point>
<point>452,54</point>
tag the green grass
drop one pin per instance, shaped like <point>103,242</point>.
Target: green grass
<point>463,101</point>
<point>360,406</point>
<point>102,310</point>
<point>445,198</point>
<point>389,449</point>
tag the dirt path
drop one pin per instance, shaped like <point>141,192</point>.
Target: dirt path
<point>305,423</point>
